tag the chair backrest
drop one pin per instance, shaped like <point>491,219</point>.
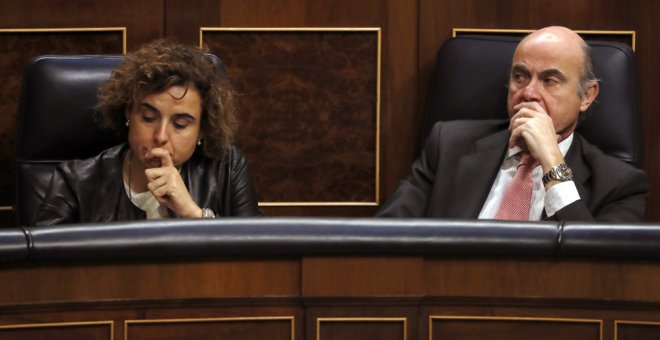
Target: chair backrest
<point>56,121</point>
<point>471,77</point>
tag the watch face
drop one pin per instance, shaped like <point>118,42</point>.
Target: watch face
<point>565,172</point>
<point>560,173</point>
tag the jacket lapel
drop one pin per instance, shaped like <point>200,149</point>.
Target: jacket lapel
<point>581,172</point>
<point>475,174</point>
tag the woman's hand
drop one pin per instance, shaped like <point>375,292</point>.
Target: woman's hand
<point>166,184</point>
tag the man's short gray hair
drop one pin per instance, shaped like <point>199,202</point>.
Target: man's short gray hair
<point>588,77</point>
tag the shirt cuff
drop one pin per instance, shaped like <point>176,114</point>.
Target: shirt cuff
<point>559,196</point>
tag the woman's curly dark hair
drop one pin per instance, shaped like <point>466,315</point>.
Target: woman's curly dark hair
<point>157,66</point>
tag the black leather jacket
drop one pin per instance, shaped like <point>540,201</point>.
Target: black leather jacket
<point>92,190</point>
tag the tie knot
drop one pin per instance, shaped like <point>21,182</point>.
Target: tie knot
<point>527,160</point>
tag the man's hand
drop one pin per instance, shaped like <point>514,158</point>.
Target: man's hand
<point>166,184</point>
<point>532,130</point>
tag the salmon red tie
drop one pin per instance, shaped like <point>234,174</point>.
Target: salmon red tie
<point>517,198</point>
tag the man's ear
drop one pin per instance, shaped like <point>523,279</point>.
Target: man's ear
<point>589,96</point>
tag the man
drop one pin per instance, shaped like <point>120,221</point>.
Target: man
<point>481,169</point>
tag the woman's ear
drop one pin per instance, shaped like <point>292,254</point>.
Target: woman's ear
<point>127,115</point>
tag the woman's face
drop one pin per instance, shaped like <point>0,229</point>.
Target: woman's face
<point>168,120</point>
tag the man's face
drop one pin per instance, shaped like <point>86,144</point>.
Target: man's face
<point>546,69</point>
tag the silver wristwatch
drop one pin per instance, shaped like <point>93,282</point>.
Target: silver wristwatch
<point>207,213</point>
<point>560,172</point>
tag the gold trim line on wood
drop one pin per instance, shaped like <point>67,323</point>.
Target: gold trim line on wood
<point>454,31</point>
<point>523,318</point>
<point>378,79</point>
<point>633,34</point>
<point>233,318</point>
<point>201,320</point>
<point>378,30</point>
<point>362,319</point>
<point>64,29</point>
<point>633,322</point>
<point>63,324</point>
<point>71,30</point>
<point>514,318</point>
<point>343,319</point>
<point>291,29</point>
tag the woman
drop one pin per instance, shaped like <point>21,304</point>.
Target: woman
<point>177,114</point>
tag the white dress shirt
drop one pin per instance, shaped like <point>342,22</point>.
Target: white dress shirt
<point>557,197</point>
<point>147,202</point>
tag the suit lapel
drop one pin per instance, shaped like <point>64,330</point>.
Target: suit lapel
<point>581,172</point>
<point>475,174</point>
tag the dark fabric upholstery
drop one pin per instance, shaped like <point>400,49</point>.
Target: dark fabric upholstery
<point>471,77</point>
<point>56,120</point>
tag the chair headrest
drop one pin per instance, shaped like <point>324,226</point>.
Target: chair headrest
<point>471,77</point>
<point>57,108</point>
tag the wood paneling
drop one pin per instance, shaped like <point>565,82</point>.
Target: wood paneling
<point>513,328</point>
<point>373,276</point>
<point>398,21</point>
<point>144,19</point>
<point>331,319</point>
<point>177,280</point>
<point>348,297</point>
<point>69,330</point>
<point>248,328</point>
<point>561,280</point>
<point>361,328</point>
<point>309,111</point>
<point>640,330</point>
<point>184,18</point>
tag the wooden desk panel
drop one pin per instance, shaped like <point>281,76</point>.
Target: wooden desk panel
<point>594,279</point>
<point>362,276</point>
<point>408,297</point>
<point>109,281</point>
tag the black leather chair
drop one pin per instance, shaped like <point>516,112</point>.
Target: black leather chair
<point>471,76</point>
<point>56,121</point>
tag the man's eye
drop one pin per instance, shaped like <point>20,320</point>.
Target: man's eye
<point>550,81</point>
<point>518,77</point>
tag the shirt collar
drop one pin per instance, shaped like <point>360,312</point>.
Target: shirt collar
<point>563,147</point>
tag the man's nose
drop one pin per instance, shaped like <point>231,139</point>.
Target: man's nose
<point>531,92</point>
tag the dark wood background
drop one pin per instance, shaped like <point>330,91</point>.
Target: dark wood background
<point>412,32</point>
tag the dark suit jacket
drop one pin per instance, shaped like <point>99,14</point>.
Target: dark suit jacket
<point>460,161</point>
